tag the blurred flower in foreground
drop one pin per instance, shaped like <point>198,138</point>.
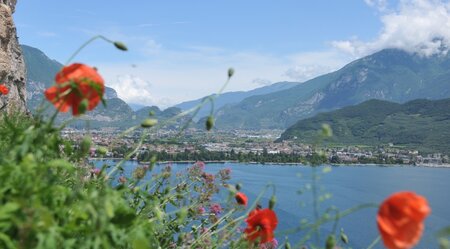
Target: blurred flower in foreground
<point>261,224</point>
<point>78,86</point>
<point>241,198</point>
<point>95,171</point>
<point>3,89</point>
<point>400,219</point>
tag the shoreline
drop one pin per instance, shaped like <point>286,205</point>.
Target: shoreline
<point>282,164</point>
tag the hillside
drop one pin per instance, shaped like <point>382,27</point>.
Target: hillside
<point>41,71</point>
<point>390,74</point>
<point>230,98</point>
<point>422,124</point>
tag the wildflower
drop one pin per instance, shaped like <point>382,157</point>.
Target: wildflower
<point>400,219</point>
<point>139,173</point>
<point>204,230</point>
<point>197,169</point>
<point>3,89</point>
<point>241,198</point>
<point>200,165</point>
<point>261,224</point>
<point>215,208</point>
<point>78,86</point>
<point>201,210</point>
<point>122,179</point>
<point>209,178</point>
<point>225,174</point>
<point>95,171</point>
<point>273,244</point>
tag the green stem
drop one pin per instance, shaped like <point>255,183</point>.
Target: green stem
<point>315,201</point>
<point>84,45</point>
<point>127,157</point>
<point>194,110</point>
<point>374,242</point>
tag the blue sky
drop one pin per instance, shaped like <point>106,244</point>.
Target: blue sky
<point>182,49</point>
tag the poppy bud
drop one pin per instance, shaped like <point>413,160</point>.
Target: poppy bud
<point>238,186</point>
<point>241,198</point>
<point>152,162</point>
<point>3,89</point>
<point>149,122</point>
<point>272,202</point>
<point>287,245</point>
<point>82,107</point>
<point>121,46</point>
<point>344,237</point>
<point>85,145</point>
<point>444,243</point>
<point>182,214</point>
<point>209,123</point>
<point>331,242</point>
<point>159,214</point>
<point>102,150</point>
<point>326,130</point>
<point>230,72</point>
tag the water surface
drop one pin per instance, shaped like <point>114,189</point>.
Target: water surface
<point>349,187</point>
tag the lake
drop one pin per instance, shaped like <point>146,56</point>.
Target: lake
<point>349,187</point>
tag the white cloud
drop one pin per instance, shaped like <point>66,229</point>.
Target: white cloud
<point>196,71</point>
<point>303,73</point>
<point>133,89</point>
<point>312,64</point>
<point>193,71</point>
<point>417,26</point>
<point>261,82</point>
<point>381,5</point>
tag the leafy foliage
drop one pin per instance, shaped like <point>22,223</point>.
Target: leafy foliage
<point>51,198</point>
<point>419,124</point>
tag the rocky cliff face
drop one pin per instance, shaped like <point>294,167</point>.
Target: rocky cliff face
<point>12,66</point>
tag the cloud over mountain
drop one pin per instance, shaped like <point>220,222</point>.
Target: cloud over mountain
<point>134,89</point>
<point>417,26</point>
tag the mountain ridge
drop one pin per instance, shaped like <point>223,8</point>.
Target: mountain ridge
<point>229,98</point>
<point>41,71</point>
<point>418,123</point>
<point>389,74</point>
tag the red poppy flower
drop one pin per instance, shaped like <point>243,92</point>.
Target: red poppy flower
<point>4,90</point>
<point>261,224</point>
<point>74,84</point>
<point>400,219</point>
<point>241,198</point>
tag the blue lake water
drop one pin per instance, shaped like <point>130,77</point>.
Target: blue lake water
<point>349,187</point>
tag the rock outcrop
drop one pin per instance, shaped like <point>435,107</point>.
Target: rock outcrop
<point>12,66</point>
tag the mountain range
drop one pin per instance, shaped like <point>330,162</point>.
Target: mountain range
<point>41,71</point>
<point>420,124</point>
<point>231,98</point>
<point>389,74</point>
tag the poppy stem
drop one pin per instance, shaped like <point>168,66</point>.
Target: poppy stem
<point>85,44</point>
<point>374,242</point>
<point>194,110</point>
